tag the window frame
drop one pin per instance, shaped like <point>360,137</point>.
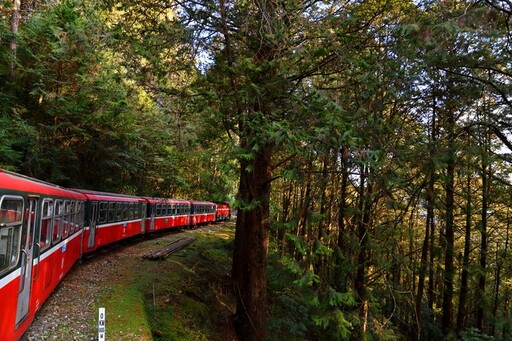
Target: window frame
<point>49,227</point>
<point>10,251</point>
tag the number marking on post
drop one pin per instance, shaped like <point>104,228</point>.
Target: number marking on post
<point>101,324</point>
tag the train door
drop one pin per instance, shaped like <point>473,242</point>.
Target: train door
<point>152,218</point>
<point>92,225</point>
<point>27,255</point>
<point>142,211</point>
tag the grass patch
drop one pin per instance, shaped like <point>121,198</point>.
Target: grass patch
<point>125,315</point>
<point>184,297</point>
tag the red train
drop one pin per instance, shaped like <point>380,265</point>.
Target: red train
<point>45,229</point>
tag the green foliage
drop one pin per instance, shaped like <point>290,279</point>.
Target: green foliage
<point>16,136</point>
<point>473,334</point>
<point>323,313</point>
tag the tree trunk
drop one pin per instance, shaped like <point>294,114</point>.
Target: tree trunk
<point>319,261</point>
<point>341,254</point>
<point>429,228</point>
<point>507,330</point>
<point>461,313</point>
<point>15,22</point>
<point>480,312</point>
<point>286,202</point>
<point>364,207</point>
<point>500,260</point>
<point>430,207</point>
<point>251,246</point>
<point>449,267</point>
<point>424,253</point>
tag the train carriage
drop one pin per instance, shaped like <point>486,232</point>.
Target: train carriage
<point>111,217</point>
<point>40,239</point>
<point>167,213</point>
<point>202,212</point>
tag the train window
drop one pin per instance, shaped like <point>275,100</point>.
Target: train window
<point>72,218</point>
<point>103,212</point>
<point>111,211</point>
<point>57,221</point>
<point>66,219</point>
<point>78,215</point>
<point>81,220</point>
<point>158,210</point>
<point>126,208</point>
<point>131,210</point>
<point>11,221</point>
<point>46,224</point>
<point>119,211</point>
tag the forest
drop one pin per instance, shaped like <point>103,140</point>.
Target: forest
<point>366,145</point>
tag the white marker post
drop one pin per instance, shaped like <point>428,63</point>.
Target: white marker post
<point>101,324</point>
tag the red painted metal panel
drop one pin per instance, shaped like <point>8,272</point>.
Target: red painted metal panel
<point>17,182</point>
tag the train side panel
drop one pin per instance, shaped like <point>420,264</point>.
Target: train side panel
<point>52,266</point>
<point>202,212</point>
<point>110,218</point>
<point>40,233</point>
<point>166,214</point>
<point>112,233</point>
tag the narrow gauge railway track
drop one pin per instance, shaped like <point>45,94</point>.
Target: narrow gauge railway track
<point>71,311</point>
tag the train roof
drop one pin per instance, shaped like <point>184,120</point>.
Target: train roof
<point>154,200</point>
<point>196,202</point>
<point>19,182</point>
<point>106,196</point>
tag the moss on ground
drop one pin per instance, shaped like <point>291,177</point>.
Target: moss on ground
<point>184,297</point>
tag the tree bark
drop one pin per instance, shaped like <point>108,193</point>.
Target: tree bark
<point>15,22</point>
<point>251,246</point>
<point>364,208</point>
<point>480,312</point>
<point>461,313</point>
<point>500,260</point>
<point>341,254</point>
<point>449,267</point>
<point>424,252</point>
